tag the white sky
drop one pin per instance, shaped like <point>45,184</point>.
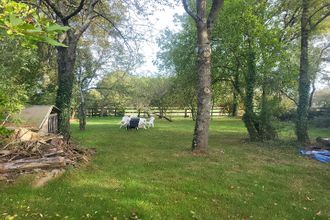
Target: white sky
<point>159,22</point>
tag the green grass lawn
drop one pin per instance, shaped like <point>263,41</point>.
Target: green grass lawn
<point>153,174</point>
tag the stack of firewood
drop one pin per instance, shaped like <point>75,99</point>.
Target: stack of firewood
<point>41,153</point>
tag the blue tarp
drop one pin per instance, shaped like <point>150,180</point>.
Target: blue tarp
<point>320,155</point>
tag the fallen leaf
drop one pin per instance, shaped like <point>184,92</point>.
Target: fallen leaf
<point>10,217</point>
<point>309,199</point>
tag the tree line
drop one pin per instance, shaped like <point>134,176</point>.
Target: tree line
<point>262,51</point>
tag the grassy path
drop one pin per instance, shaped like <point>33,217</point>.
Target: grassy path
<point>151,174</point>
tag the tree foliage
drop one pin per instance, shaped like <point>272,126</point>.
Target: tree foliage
<point>19,20</point>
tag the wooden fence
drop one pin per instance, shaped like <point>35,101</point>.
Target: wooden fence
<point>170,112</point>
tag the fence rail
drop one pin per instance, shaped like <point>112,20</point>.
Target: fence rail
<point>169,112</point>
<point>177,112</point>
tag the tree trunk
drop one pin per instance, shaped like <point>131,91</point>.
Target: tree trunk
<point>266,129</point>
<point>234,110</point>
<point>82,112</point>
<point>249,116</point>
<point>304,81</point>
<point>185,113</point>
<point>212,109</point>
<point>161,111</point>
<point>204,25</point>
<point>200,138</point>
<point>66,57</point>
<point>73,113</point>
<point>311,96</point>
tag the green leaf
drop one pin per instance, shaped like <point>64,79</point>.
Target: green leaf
<point>54,42</point>
<point>35,30</point>
<point>56,27</point>
<point>15,21</point>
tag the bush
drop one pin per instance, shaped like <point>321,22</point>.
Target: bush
<point>289,115</point>
<point>4,135</point>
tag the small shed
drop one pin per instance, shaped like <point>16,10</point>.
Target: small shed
<point>40,118</point>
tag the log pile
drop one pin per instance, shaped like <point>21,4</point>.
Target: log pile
<point>39,154</point>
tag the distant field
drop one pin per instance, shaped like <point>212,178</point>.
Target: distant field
<point>151,174</point>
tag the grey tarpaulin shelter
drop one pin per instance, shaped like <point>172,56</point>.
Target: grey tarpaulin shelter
<point>40,118</point>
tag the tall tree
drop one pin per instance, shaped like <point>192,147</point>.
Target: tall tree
<point>308,23</point>
<point>178,57</point>
<point>78,16</point>
<point>22,31</point>
<point>246,45</point>
<point>204,22</point>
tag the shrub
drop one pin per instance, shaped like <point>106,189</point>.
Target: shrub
<point>4,135</point>
<point>289,115</point>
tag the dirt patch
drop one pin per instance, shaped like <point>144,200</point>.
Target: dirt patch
<point>45,176</point>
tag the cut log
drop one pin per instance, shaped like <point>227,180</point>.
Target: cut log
<point>323,141</point>
<point>30,164</point>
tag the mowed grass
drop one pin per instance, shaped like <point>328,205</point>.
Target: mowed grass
<point>151,174</point>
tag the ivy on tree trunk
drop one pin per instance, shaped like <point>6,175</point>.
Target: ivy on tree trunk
<point>249,118</point>
<point>267,131</point>
<point>66,57</point>
<point>304,81</point>
<point>236,89</point>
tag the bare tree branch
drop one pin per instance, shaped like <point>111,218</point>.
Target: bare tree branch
<point>316,11</point>
<point>115,27</point>
<point>85,25</point>
<point>320,20</point>
<point>214,13</point>
<point>225,66</point>
<point>55,9</point>
<point>89,18</point>
<point>293,18</point>
<point>189,12</point>
<point>289,97</point>
<point>75,12</point>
